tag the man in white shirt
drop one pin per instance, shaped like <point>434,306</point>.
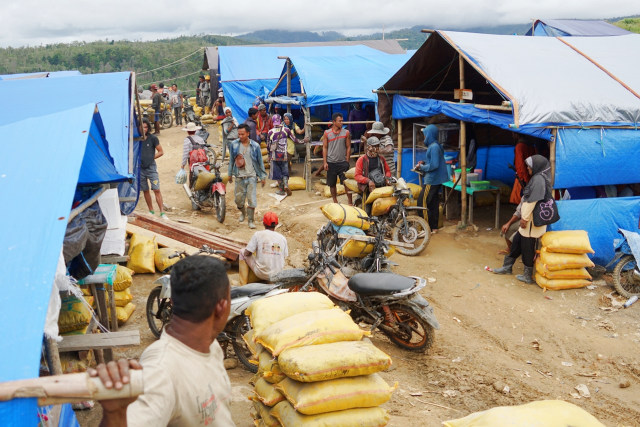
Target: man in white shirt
<point>266,251</point>
<point>185,382</point>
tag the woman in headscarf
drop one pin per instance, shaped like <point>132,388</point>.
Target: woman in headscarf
<point>295,129</point>
<point>435,173</point>
<point>277,138</point>
<point>229,130</point>
<point>524,241</point>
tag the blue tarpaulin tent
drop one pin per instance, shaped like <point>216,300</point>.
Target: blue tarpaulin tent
<point>37,196</point>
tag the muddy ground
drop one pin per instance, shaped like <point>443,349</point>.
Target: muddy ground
<point>501,342</point>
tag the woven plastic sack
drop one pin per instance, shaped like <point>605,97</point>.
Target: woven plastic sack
<point>266,393</point>
<point>309,328</point>
<point>415,190</point>
<point>162,261</point>
<point>569,273</point>
<point>141,257</point>
<point>264,412</point>
<point>268,368</point>
<point>181,177</point>
<point>335,395</point>
<point>351,173</point>
<point>567,242</point>
<point>354,248</point>
<point>542,413</point>
<point>382,205</point>
<point>74,314</point>
<point>203,180</point>
<point>122,298</point>
<point>352,185</point>
<point>253,347</point>
<point>123,278</point>
<point>136,239</point>
<point>123,313</point>
<point>266,311</point>
<point>339,190</point>
<point>554,261</point>
<point>360,417</point>
<point>559,284</point>
<point>380,192</point>
<point>340,215</point>
<point>297,183</point>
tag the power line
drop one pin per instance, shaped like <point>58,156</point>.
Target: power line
<point>172,78</point>
<point>172,63</point>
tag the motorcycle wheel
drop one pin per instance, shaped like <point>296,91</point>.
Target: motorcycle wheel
<point>157,321</point>
<point>624,279</point>
<point>221,206</point>
<point>240,326</point>
<point>417,232</point>
<point>414,333</point>
<point>166,120</point>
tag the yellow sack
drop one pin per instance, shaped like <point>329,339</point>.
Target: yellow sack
<point>264,412</point>
<point>123,278</point>
<point>382,205</point>
<point>415,190</point>
<point>336,360</point>
<point>89,299</point>
<point>356,249</point>
<point>351,173</point>
<point>203,180</point>
<point>253,347</point>
<point>558,284</point>
<point>534,414</point>
<point>123,313</point>
<point>569,273</point>
<point>162,260</point>
<point>553,261</point>
<point>352,185</point>
<point>567,242</point>
<point>308,328</point>
<point>335,395</point>
<point>136,239</point>
<point>141,255</point>
<point>360,417</point>
<point>341,215</point>
<point>225,177</point>
<point>123,297</point>
<point>264,151</point>
<point>74,314</point>
<point>268,368</point>
<point>297,183</point>
<point>379,192</point>
<point>86,290</point>
<point>339,190</point>
<point>266,393</point>
<point>266,311</point>
<point>263,145</point>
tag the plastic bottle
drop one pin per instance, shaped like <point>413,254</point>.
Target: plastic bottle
<point>630,301</point>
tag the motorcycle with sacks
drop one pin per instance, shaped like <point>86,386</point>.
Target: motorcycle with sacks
<point>158,311</point>
<point>626,273</point>
<point>385,301</point>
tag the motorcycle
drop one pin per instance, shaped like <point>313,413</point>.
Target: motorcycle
<point>205,188</point>
<point>159,312</point>
<point>189,113</point>
<point>626,274</point>
<point>385,301</point>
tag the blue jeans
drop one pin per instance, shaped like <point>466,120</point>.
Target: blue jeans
<point>245,189</point>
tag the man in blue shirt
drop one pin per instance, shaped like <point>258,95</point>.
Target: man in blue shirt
<point>435,174</point>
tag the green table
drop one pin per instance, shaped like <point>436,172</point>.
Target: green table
<point>471,192</point>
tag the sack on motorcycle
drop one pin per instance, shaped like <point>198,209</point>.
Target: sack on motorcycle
<point>415,190</point>
<point>379,192</point>
<point>266,311</point>
<point>141,257</point>
<point>352,185</point>
<point>340,215</point>
<point>309,328</point>
<point>267,393</point>
<point>264,412</point>
<point>268,368</point>
<point>382,205</point>
<point>568,273</point>
<point>360,417</point>
<point>335,360</point>
<point>122,298</point>
<point>544,412</point>
<point>354,248</point>
<point>567,242</point>
<point>335,395</point>
<point>123,278</point>
<point>559,284</point>
<point>162,260</point>
<point>297,183</point>
<point>203,180</point>
<point>556,261</point>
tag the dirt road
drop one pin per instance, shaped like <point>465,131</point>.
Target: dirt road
<point>501,342</point>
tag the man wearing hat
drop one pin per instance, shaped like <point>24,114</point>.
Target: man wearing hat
<point>372,170</point>
<point>156,104</point>
<point>190,143</point>
<point>386,143</point>
<point>204,90</point>
<point>264,123</point>
<point>265,253</point>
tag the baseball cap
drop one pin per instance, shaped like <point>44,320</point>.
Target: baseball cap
<point>270,219</point>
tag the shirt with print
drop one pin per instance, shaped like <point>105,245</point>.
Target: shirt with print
<point>336,145</point>
<point>182,387</point>
<point>270,250</point>
<point>148,151</point>
<point>175,98</point>
<point>248,170</point>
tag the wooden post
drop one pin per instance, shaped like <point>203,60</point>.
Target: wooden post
<point>53,356</point>
<point>463,153</point>
<point>552,154</point>
<point>288,83</point>
<point>399,171</point>
<point>307,158</point>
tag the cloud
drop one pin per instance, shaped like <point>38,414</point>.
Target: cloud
<point>35,22</point>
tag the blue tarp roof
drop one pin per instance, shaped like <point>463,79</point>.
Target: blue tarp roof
<point>574,27</point>
<point>340,79</point>
<point>111,91</point>
<point>37,196</point>
<point>38,75</point>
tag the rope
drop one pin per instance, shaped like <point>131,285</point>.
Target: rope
<point>172,63</point>
<point>172,78</point>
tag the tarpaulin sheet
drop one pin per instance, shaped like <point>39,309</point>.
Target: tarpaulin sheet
<point>601,218</point>
<point>36,199</point>
<point>38,75</point>
<point>588,157</point>
<point>575,27</point>
<point>406,107</point>
<point>494,162</point>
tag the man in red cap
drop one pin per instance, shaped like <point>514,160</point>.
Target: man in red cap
<point>266,251</point>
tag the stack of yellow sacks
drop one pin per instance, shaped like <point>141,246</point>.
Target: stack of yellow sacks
<point>563,260</point>
<point>314,366</point>
<point>146,257</point>
<point>122,294</point>
<point>75,316</point>
<point>207,119</point>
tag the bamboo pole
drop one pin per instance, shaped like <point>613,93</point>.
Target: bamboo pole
<point>424,92</point>
<point>398,172</point>
<point>552,154</point>
<point>307,158</point>
<point>288,83</point>
<point>463,153</point>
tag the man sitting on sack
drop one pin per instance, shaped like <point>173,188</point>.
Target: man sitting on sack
<point>265,253</point>
<point>372,171</point>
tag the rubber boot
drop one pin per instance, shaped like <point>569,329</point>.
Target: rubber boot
<point>280,191</point>
<point>285,183</point>
<point>526,276</point>
<point>507,265</point>
<point>243,214</point>
<point>156,126</point>
<point>250,214</point>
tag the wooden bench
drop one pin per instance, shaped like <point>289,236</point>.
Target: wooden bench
<point>99,341</point>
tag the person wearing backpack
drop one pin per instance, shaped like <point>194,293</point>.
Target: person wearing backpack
<point>277,141</point>
<point>192,149</point>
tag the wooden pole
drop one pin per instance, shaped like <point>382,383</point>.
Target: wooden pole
<point>288,83</point>
<point>399,171</point>
<point>463,153</point>
<point>307,158</point>
<point>552,154</point>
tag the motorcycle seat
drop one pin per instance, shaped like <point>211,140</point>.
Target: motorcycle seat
<point>250,290</point>
<point>369,284</point>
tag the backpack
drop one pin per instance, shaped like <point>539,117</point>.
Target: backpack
<point>197,155</point>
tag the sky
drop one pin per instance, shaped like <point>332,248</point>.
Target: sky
<point>39,22</point>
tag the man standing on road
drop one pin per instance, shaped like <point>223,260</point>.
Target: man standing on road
<point>435,174</point>
<point>175,99</point>
<point>185,382</point>
<point>336,150</point>
<point>150,150</point>
<point>245,163</point>
<point>266,251</point>
<point>251,122</point>
<point>156,104</point>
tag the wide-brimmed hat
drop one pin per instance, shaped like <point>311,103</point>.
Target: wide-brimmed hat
<point>379,129</point>
<point>191,127</point>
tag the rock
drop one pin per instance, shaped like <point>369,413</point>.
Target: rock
<point>583,390</point>
<point>230,363</point>
<point>624,383</point>
<point>498,386</point>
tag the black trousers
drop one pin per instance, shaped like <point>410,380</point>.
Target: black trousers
<point>525,246</point>
<point>178,113</point>
<point>431,200</point>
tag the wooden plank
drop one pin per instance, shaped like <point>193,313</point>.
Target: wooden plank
<point>99,341</point>
<point>113,259</point>
<point>162,241</point>
<point>371,239</point>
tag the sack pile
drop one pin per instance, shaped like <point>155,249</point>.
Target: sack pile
<point>146,257</point>
<point>563,260</point>
<point>314,366</point>
<point>121,294</point>
<point>207,119</point>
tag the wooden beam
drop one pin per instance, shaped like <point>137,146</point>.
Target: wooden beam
<point>493,107</point>
<point>398,172</point>
<point>162,241</point>
<point>463,151</point>
<point>99,341</point>
<point>371,239</point>
<point>552,154</point>
<point>425,92</point>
